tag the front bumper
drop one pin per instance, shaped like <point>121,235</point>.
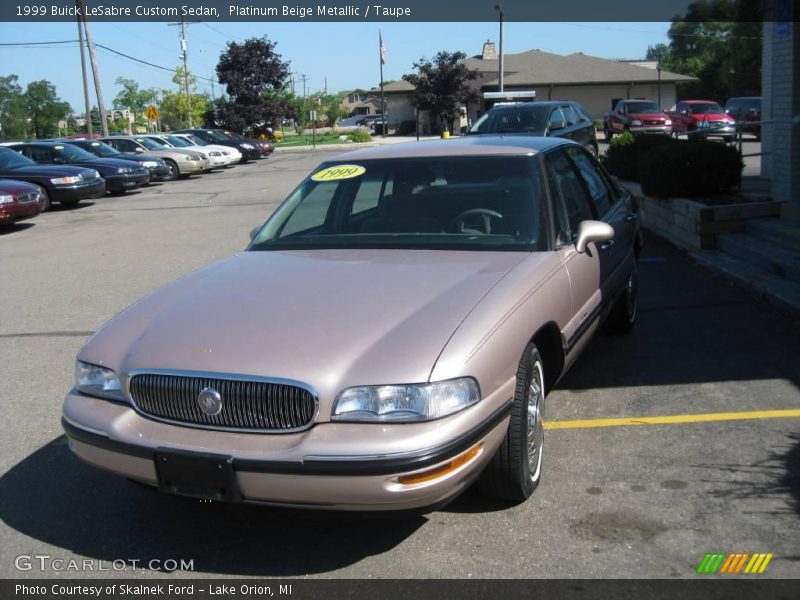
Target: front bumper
<point>190,167</point>
<point>78,191</point>
<point>305,469</point>
<point>13,212</point>
<point>127,181</point>
<point>650,129</point>
<point>713,131</point>
<point>159,173</point>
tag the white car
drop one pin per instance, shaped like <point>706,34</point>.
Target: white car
<point>235,155</point>
<point>215,158</point>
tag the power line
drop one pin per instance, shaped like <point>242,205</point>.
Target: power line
<point>38,43</point>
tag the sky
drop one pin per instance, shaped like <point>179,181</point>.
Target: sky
<point>346,54</point>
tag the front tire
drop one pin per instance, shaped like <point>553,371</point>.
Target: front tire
<point>623,315</point>
<point>47,203</point>
<point>607,133</point>
<point>173,170</point>
<point>516,469</point>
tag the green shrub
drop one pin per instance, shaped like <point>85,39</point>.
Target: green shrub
<point>626,151</point>
<point>360,136</point>
<point>690,168</point>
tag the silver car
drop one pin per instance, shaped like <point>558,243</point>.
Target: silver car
<point>181,163</point>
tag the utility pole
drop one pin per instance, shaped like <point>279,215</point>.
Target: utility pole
<point>83,72</point>
<point>501,70</point>
<point>304,78</point>
<point>95,71</point>
<point>184,56</point>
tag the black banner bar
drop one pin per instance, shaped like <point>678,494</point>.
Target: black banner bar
<point>735,588</point>
<point>344,10</point>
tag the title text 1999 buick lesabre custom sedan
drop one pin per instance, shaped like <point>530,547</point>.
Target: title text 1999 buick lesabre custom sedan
<point>386,340</point>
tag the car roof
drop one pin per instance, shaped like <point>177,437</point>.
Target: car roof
<point>473,145</point>
<point>535,103</point>
<point>700,101</point>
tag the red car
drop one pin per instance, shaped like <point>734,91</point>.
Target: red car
<point>636,116</point>
<point>19,201</point>
<point>702,119</point>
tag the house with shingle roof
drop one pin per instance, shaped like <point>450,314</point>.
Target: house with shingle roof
<point>596,83</point>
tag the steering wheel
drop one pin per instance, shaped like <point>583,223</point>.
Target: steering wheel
<point>457,224</point>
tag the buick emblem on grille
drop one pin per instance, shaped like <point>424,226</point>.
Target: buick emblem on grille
<point>209,401</point>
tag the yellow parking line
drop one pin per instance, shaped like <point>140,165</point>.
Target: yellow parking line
<point>674,419</point>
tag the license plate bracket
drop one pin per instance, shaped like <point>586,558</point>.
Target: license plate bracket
<point>197,474</point>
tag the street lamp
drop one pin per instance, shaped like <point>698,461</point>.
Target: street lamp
<point>500,10</point>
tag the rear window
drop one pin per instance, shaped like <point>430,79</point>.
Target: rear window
<point>467,203</point>
<point>517,119</point>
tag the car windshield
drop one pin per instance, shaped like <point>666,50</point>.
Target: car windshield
<point>178,142</point>
<point>518,119</point>
<point>706,108</point>
<point>461,203</point>
<point>72,153</point>
<point>214,135</point>
<point>99,148</point>
<point>643,107</point>
<point>151,144</point>
<point>232,136</point>
<point>193,139</point>
<point>9,159</point>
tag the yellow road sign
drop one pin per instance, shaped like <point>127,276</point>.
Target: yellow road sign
<point>151,112</point>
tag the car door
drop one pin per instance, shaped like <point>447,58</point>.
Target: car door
<point>616,209</point>
<point>618,117</point>
<point>571,206</point>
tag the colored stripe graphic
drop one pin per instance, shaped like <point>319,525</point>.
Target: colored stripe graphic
<point>732,563</point>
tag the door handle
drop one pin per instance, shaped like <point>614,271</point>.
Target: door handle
<point>607,245</point>
<point>632,217</point>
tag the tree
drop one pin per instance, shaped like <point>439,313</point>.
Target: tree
<point>719,42</point>
<point>131,97</point>
<point>13,124</point>
<point>442,86</point>
<point>44,108</point>
<point>254,76</point>
<point>176,107</point>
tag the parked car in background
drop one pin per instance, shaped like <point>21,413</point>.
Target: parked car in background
<point>250,149</point>
<point>636,116</point>
<point>746,111</point>
<point>264,147</point>
<point>233,152</point>
<point>216,159</point>
<point>159,170</point>
<point>19,201</point>
<point>460,280</point>
<point>563,119</point>
<point>65,184</point>
<point>702,119</point>
<point>179,162</point>
<point>120,175</point>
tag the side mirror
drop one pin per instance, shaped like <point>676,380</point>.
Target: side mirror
<point>592,231</point>
<point>254,232</point>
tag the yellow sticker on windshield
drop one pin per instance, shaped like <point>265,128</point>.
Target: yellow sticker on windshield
<point>338,172</point>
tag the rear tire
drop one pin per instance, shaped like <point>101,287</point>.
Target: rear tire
<point>623,315</point>
<point>607,133</point>
<point>516,469</point>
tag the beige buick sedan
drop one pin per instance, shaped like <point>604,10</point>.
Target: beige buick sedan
<point>386,340</point>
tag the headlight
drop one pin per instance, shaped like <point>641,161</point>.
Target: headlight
<point>195,157</point>
<point>405,403</point>
<point>66,180</point>
<point>124,170</point>
<point>97,381</point>
<point>150,164</point>
<point>248,146</point>
<point>6,198</point>
<point>667,122</point>
<point>636,122</point>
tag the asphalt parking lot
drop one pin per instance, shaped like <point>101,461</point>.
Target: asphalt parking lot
<point>624,500</point>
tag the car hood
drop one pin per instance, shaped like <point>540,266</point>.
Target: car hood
<point>9,186</point>
<point>46,171</point>
<point>109,165</point>
<point>649,116</point>
<point>329,318</point>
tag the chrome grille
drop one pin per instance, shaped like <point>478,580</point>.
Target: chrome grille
<point>247,404</point>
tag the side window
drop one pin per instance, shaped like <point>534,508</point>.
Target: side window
<point>312,211</point>
<point>583,116</point>
<point>599,192</point>
<point>570,204</point>
<point>570,116</point>
<point>556,120</point>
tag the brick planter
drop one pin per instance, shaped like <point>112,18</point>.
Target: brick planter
<point>692,225</point>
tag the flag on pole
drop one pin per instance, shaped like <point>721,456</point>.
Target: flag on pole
<point>382,48</point>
